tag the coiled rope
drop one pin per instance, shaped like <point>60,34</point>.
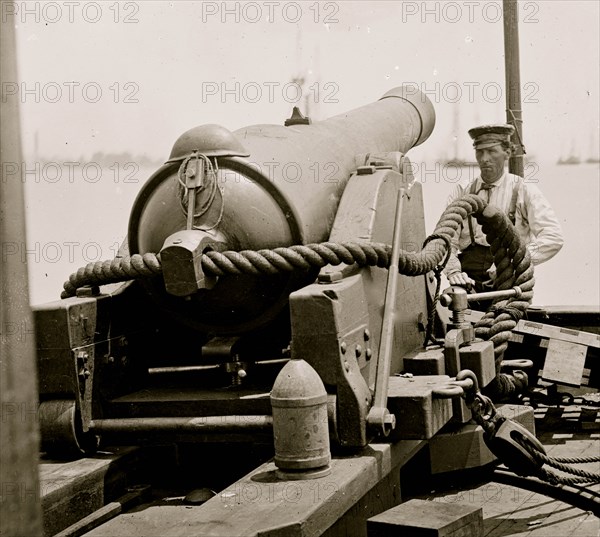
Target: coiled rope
<point>513,268</point>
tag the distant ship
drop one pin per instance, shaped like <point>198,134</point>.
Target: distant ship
<point>571,159</point>
<point>460,163</point>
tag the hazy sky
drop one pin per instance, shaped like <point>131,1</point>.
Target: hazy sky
<point>134,75</point>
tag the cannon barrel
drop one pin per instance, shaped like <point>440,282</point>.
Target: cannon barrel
<point>273,186</point>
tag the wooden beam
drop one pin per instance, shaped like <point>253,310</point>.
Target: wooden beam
<point>261,504</point>
<point>73,490</point>
<point>20,513</point>
<point>556,332</point>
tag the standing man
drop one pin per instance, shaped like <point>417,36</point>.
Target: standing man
<point>471,263</point>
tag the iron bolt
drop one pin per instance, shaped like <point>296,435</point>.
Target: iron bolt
<point>343,347</point>
<point>358,351</point>
<point>367,335</point>
<point>347,366</point>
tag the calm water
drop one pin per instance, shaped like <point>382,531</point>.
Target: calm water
<point>81,217</point>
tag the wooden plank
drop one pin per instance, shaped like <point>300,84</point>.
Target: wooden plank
<point>72,490</point>
<point>556,332</point>
<point>261,504</point>
<point>111,510</point>
<point>564,362</point>
<point>384,495</point>
<point>512,510</point>
<point>428,519</point>
<point>585,318</point>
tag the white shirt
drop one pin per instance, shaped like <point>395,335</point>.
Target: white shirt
<point>535,220</point>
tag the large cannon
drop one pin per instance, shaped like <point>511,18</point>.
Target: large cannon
<point>275,186</point>
<point>191,353</point>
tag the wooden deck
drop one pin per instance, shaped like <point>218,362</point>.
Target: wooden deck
<point>510,510</point>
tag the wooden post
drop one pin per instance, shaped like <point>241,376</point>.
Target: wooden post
<point>20,513</point>
<point>514,114</point>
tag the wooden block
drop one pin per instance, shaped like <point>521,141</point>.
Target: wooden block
<point>419,415</point>
<point>458,448</point>
<point>479,358</point>
<point>460,411</point>
<point>564,362</point>
<point>422,518</point>
<point>425,362</point>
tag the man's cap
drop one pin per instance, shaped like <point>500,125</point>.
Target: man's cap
<point>489,135</point>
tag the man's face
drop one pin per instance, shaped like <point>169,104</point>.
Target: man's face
<point>491,162</point>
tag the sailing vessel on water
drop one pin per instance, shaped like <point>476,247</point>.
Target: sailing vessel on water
<point>571,158</point>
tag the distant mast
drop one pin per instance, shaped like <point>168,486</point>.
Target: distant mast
<point>300,78</point>
<point>514,114</point>
<point>36,146</point>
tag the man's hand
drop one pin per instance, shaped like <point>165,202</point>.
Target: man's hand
<point>462,279</point>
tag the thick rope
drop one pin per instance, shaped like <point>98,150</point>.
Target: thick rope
<point>592,477</point>
<point>576,460</point>
<point>562,464</point>
<point>556,479</point>
<point>298,257</point>
<point>511,258</point>
<point>119,269</point>
<point>436,297</point>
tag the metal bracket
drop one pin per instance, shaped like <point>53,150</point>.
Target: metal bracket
<point>330,331</point>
